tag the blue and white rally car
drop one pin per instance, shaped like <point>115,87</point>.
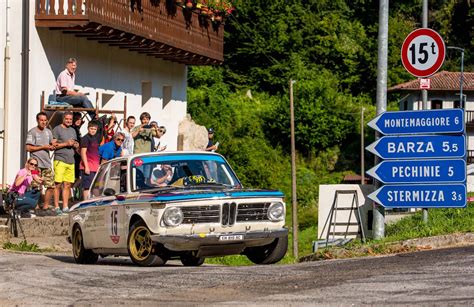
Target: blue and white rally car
<point>177,205</point>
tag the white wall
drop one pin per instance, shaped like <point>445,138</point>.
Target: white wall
<point>101,68</point>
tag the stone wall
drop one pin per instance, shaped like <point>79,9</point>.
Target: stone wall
<point>40,227</point>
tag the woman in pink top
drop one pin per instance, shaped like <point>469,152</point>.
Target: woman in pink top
<point>26,200</point>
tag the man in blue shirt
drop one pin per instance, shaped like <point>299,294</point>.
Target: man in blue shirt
<point>113,149</point>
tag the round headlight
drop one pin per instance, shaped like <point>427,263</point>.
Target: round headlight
<point>173,216</point>
<point>276,212</point>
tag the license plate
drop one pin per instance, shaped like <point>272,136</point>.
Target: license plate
<point>231,238</point>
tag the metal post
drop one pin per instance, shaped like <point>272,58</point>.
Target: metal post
<point>424,93</point>
<point>294,208</point>
<point>382,53</point>
<point>362,148</point>
<point>6,101</point>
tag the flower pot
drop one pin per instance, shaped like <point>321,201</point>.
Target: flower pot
<point>179,2</point>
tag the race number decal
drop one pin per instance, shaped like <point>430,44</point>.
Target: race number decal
<point>113,225</point>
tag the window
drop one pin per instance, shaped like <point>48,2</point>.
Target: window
<point>436,104</point>
<point>167,94</point>
<point>146,92</point>
<point>112,181</point>
<point>456,104</point>
<point>404,105</point>
<point>99,183</point>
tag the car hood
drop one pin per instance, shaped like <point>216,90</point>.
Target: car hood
<point>195,194</point>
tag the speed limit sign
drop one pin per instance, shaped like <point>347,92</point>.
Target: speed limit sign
<point>423,52</point>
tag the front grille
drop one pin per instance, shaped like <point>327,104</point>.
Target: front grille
<point>201,214</point>
<point>252,212</point>
<point>228,214</point>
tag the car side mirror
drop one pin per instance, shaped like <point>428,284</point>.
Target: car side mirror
<point>109,192</point>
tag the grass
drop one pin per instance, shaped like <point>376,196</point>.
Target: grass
<point>23,246</point>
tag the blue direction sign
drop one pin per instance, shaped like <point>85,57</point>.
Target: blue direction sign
<point>419,147</point>
<point>413,122</point>
<point>421,196</point>
<point>420,171</point>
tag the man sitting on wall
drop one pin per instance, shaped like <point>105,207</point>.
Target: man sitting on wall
<point>65,88</point>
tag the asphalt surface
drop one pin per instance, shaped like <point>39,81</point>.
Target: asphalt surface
<point>434,277</point>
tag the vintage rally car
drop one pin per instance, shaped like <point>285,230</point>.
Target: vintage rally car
<point>176,205</point>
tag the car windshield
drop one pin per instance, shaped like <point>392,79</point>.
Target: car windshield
<point>181,170</point>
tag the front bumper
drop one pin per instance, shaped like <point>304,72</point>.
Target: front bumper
<point>203,241</point>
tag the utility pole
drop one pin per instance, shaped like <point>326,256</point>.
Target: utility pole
<point>381,102</point>
<point>424,93</point>
<point>362,147</point>
<point>294,207</point>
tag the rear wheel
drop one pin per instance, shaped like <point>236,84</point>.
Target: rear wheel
<point>140,247</point>
<point>81,255</point>
<point>268,254</point>
<point>191,260</point>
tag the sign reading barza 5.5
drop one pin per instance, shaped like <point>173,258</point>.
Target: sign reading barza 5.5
<point>423,52</point>
<point>420,171</point>
<point>421,196</point>
<point>416,122</point>
<point>419,147</point>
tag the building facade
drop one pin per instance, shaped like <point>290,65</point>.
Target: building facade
<point>138,56</point>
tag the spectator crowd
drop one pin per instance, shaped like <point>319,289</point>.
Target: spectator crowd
<point>77,158</point>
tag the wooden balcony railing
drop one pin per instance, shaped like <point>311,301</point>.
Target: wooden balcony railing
<point>470,156</point>
<point>161,29</point>
<point>469,119</point>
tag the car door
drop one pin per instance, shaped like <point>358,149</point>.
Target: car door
<point>95,211</point>
<point>115,222</point>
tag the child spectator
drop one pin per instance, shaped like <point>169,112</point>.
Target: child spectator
<point>128,143</point>
<point>90,157</point>
<point>109,128</point>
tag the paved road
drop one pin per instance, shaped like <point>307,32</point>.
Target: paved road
<point>436,277</point>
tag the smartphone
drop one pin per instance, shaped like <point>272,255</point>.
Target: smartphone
<point>146,126</point>
<point>217,144</point>
<point>35,172</point>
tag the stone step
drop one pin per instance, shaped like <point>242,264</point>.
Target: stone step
<point>48,226</point>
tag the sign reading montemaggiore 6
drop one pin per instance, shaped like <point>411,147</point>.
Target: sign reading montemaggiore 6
<point>413,122</point>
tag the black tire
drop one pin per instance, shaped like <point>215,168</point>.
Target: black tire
<point>140,247</point>
<point>191,260</point>
<point>81,255</point>
<point>268,254</point>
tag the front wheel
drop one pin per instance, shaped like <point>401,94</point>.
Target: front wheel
<point>191,260</point>
<point>268,254</point>
<point>140,247</point>
<point>81,255</point>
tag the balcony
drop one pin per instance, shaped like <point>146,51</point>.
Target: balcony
<point>469,119</point>
<point>162,30</point>
<point>470,156</point>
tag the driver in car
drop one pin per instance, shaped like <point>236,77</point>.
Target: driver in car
<point>162,176</point>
